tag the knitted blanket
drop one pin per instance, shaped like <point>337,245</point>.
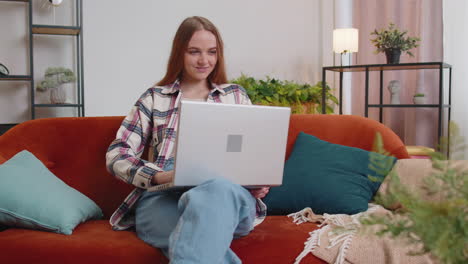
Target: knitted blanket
<point>341,240</point>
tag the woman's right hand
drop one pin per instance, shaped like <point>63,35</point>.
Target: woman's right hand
<point>163,177</point>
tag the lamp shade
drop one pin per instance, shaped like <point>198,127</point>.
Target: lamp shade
<point>345,40</point>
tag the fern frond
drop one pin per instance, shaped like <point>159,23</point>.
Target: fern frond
<point>440,226</point>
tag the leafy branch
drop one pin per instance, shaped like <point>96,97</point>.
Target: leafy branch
<point>272,91</point>
<point>440,225</point>
<point>393,38</point>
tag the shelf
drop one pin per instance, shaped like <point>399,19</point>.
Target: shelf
<point>55,30</point>
<point>15,77</point>
<point>388,67</point>
<point>442,107</point>
<point>74,30</point>
<point>406,105</point>
<point>58,105</point>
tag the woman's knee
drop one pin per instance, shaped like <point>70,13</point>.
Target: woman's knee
<point>216,191</point>
<point>156,216</point>
<point>220,184</point>
<point>218,188</point>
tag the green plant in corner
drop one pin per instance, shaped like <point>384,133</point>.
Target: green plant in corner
<point>302,98</point>
<point>419,95</point>
<point>439,225</point>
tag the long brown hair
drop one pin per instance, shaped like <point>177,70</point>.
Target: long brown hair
<point>175,65</point>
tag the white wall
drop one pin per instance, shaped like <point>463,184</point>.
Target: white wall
<point>127,46</point>
<point>14,55</point>
<point>456,54</point>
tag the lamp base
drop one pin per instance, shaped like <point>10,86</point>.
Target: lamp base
<point>349,58</point>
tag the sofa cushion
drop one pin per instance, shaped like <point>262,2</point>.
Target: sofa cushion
<point>276,240</point>
<point>92,242</point>
<point>328,178</point>
<point>32,197</point>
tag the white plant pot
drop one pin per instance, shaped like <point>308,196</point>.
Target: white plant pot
<point>58,95</point>
<point>419,100</point>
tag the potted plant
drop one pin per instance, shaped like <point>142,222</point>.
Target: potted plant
<point>419,98</point>
<point>435,215</point>
<point>53,80</point>
<point>392,42</point>
<point>302,98</point>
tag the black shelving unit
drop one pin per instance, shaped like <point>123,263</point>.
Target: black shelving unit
<point>381,68</point>
<point>16,78</point>
<point>36,29</point>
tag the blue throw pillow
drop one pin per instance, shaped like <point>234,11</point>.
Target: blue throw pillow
<point>328,178</point>
<point>32,197</point>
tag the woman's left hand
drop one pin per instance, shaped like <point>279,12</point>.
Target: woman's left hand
<point>259,192</point>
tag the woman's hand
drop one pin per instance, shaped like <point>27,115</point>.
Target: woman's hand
<point>259,192</point>
<point>163,177</point>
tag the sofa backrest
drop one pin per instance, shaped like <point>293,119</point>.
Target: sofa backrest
<point>348,130</point>
<point>74,148</point>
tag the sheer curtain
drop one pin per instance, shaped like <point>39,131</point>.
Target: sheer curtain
<point>422,18</point>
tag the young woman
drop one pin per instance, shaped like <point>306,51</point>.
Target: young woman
<point>196,226</point>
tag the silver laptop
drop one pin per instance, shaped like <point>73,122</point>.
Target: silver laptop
<point>245,144</point>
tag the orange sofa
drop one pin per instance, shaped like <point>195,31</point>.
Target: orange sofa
<point>74,150</point>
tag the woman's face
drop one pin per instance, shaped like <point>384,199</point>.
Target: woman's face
<point>200,57</point>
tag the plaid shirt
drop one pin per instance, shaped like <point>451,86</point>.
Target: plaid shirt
<point>153,121</point>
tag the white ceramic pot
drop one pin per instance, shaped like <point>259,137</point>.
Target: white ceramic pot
<point>58,95</point>
<point>419,99</point>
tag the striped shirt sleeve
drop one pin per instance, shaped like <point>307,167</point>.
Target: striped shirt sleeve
<point>123,157</point>
<point>244,96</point>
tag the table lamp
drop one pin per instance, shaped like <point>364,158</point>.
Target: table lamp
<point>345,40</point>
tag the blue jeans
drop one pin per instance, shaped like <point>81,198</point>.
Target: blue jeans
<point>196,226</point>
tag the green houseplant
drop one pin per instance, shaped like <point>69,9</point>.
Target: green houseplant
<point>436,217</point>
<point>54,78</point>
<point>392,42</point>
<point>302,98</point>
<point>419,98</point>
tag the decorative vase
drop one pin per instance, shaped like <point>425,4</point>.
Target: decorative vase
<point>394,89</point>
<point>419,99</point>
<point>58,95</point>
<point>393,56</point>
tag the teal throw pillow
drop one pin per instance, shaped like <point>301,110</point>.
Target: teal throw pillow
<point>32,197</point>
<point>328,178</point>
